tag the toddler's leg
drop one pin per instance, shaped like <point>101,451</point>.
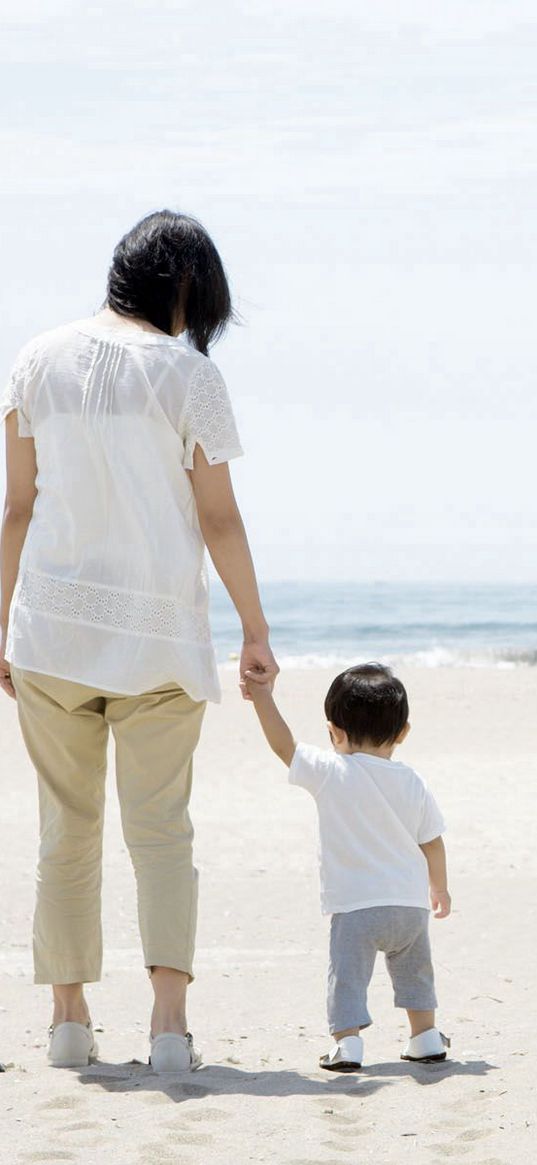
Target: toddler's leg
<point>353,951</point>
<point>420,1021</point>
<point>410,966</point>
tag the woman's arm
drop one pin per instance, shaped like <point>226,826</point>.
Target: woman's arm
<point>225,537</point>
<point>21,470</point>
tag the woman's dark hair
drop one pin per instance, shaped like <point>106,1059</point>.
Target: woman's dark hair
<point>167,263</point>
<point>368,703</point>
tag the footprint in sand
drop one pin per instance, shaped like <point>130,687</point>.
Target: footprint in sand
<point>47,1155</point>
<point>335,1147</point>
<point>338,1117</point>
<point>190,1138</point>
<point>60,1102</point>
<point>208,1114</point>
<point>79,1127</point>
<point>452,1123</point>
<point>474,1134</point>
<point>470,1104</point>
<point>357,1131</point>
<point>493,1161</point>
<point>154,1154</point>
<point>451,1150</point>
<point>311,1161</point>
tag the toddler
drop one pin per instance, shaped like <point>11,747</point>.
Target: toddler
<point>382,857</point>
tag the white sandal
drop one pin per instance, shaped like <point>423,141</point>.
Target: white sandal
<point>72,1045</point>
<point>427,1048</point>
<point>347,1055</point>
<point>173,1053</point>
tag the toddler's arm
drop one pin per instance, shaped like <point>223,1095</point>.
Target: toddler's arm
<point>435,854</point>
<point>273,724</point>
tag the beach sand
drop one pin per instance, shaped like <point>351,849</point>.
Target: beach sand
<point>257,1004</point>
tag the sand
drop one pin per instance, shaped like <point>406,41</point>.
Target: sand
<point>257,1004</point>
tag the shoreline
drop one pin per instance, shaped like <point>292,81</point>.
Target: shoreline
<point>436,657</point>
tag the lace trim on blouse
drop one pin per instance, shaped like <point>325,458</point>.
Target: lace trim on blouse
<point>134,612</point>
<point>208,418</point>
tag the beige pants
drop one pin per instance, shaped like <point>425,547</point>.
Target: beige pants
<point>65,728</point>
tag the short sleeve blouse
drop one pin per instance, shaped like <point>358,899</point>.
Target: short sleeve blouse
<point>13,396</point>
<point>112,589</point>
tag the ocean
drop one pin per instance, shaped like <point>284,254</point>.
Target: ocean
<point>428,624</point>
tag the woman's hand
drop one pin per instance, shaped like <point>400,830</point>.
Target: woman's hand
<point>5,671</point>
<point>257,656</point>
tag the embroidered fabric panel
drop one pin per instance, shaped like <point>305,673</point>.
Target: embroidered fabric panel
<point>104,606</point>
<point>208,415</point>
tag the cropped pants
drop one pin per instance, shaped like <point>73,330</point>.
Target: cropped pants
<point>65,726</point>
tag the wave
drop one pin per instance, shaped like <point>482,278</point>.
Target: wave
<point>432,657</point>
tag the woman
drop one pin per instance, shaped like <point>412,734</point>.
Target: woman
<point>119,429</point>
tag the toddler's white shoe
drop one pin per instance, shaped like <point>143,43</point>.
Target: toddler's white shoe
<point>72,1045</point>
<point>346,1056</point>
<point>427,1048</point>
<point>173,1053</point>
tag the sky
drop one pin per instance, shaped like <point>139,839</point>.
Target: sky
<point>368,171</point>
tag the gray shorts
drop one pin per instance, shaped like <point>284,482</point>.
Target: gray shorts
<point>402,932</point>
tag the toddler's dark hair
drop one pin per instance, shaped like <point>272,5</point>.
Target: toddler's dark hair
<point>369,703</point>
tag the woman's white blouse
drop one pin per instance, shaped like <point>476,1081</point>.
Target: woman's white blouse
<point>112,589</point>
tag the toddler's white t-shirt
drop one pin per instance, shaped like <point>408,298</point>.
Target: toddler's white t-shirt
<point>373,816</point>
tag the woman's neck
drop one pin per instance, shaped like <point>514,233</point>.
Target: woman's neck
<point>108,315</point>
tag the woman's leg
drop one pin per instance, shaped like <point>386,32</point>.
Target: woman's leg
<point>169,1010</point>
<point>156,734</point>
<point>66,741</point>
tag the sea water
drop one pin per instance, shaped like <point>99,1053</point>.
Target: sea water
<point>431,624</point>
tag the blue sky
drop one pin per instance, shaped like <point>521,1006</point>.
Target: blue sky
<point>368,171</point>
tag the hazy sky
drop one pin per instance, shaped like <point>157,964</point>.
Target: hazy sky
<point>369,173</point>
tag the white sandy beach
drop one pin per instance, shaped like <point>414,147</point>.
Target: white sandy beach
<point>257,1005</point>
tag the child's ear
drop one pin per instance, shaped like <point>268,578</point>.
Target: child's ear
<point>403,733</point>
<point>337,735</point>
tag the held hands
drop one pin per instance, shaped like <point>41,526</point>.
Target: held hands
<point>441,903</point>
<point>255,687</point>
<point>257,660</point>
